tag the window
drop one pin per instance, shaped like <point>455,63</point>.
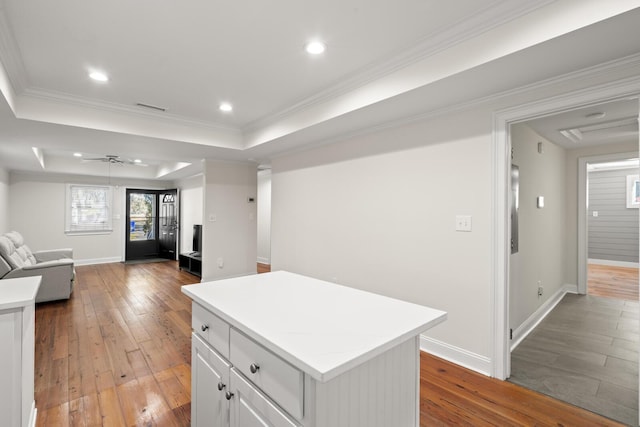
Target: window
<point>88,209</point>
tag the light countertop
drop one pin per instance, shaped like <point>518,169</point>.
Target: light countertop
<point>18,292</point>
<point>319,327</point>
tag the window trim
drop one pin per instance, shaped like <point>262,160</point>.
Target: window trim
<point>107,228</point>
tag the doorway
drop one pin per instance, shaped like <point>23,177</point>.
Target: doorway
<point>574,347</point>
<point>152,224</point>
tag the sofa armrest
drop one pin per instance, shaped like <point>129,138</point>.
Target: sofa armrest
<point>54,254</point>
<point>59,263</point>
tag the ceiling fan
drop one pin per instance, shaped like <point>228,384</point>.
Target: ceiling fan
<point>112,159</point>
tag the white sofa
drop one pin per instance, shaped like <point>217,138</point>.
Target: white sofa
<point>55,266</point>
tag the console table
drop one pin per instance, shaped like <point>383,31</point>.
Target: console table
<point>287,350</point>
<point>17,352</point>
<point>191,263</point>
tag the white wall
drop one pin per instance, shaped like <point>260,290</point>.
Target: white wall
<point>37,211</point>
<point>378,213</point>
<point>542,243</point>
<point>191,197</point>
<point>229,220</point>
<point>264,216</point>
<point>4,200</point>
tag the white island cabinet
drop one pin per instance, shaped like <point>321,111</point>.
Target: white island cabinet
<point>284,350</point>
<point>17,352</point>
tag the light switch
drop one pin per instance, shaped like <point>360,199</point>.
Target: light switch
<point>595,213</point>
<point>540,202</point>
<point>463,222</point>
<point>213,218</point>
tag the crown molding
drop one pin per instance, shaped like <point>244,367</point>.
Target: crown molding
<point>465,29</point>
<point>618,89</point>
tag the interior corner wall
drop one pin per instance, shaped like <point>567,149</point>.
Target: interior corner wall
<point>37,211</point>
<point>542,245</point>
<point>571,168</point>
<point>230,227</point>
<point>191,198</point>
<point>377,212</point>
<point>264,216</point>
<point>4,200</point>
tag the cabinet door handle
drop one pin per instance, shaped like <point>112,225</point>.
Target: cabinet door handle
<point>228,395</point>
<point>204,328</point>
<point>254,368</point>
<point>221,386</point>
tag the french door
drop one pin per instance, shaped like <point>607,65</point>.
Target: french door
<point>152,224</point>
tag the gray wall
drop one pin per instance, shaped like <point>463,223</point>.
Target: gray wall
<point>541,260</point>
<point>613,234</point>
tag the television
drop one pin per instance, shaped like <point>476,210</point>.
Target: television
<point>197,240</point>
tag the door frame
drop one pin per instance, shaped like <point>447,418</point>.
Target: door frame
<point>501,166</point>
<point>157,193</point>
<point>583,236</point>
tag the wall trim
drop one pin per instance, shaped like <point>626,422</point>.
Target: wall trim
<point>457,355</point>
<point>522,331</point>
<point>97,261</point>
<point>613,263</point>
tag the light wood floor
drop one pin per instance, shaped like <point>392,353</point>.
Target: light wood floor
<point>118,354</point>
<point>613,282</point>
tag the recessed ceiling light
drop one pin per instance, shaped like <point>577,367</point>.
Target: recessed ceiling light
<point>77,154</point>
<point>137,161</point>
<point>98,76</point>
<point>226,107</point>
<point>315,47</point>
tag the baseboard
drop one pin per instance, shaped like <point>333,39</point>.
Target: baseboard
<point>521,332</point>
<point>457,355</point>
<point>614,263</point>
<point>96,261</point>
<point>262,260</point>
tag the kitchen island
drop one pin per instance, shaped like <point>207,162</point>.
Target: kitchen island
<point>283,349</point>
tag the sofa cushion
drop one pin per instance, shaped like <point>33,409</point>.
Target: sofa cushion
<point>15,237</point>
<point>17,257</point>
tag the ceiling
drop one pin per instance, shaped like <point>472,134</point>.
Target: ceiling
<point>385,60</point>
<point>600,124</point>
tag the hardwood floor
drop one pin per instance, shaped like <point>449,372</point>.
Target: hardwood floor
<point>614,282</point>
<point>263,268</point>
<point>451,395</point>
<point>118,354</point>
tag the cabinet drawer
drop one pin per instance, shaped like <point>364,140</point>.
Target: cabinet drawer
<point>211,328</point>
<point>252,408</point>
<point>278,379</point>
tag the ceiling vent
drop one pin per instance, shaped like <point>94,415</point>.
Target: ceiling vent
<point>578,133</point>
<point>152,107</point>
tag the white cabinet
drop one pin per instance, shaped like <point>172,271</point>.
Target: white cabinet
<point>285,350</point>
<point>250,408</point>
<point>210,377</point>
<point>220,396</point>
<point>17,352</point>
